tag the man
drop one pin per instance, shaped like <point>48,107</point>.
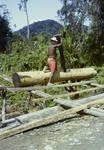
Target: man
<point>52,62</point>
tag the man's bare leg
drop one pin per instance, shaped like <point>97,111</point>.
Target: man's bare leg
<point>51,79</point>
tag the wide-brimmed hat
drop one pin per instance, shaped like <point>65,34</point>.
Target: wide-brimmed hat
<point>54,39</point>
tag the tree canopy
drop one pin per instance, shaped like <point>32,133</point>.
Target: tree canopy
<point>85,20</point>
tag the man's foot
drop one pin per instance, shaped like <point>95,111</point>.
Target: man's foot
<point>50,84</point>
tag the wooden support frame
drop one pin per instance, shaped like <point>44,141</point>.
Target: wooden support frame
<point>16,89</point>
<point>51,97</point>
<point>3,114</point>
<point>48,96</point>
<point>51,119</point>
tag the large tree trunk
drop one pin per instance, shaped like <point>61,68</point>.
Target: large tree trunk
<point>30,78</point>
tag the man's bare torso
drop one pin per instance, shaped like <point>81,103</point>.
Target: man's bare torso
<point>52,51</point>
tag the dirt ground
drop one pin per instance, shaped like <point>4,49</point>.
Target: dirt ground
<point>86,133</point>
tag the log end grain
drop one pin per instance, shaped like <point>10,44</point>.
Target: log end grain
<point>16,80</point>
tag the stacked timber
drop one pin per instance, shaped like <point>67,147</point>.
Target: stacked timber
<point>51,115</point>
<point>21,79</point>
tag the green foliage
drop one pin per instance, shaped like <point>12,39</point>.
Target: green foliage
<point>71,53</point>
<point>23,58</point>
<point>5,34</point>
<point>100,75</point>
<point>88,42</point>
<point>94,49</point>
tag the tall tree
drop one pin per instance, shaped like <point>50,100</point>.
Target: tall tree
<point>5,31</point>
<point>23,4</point>
<point>85,18</point>
<point>73,13</point>
<point>95,50</point>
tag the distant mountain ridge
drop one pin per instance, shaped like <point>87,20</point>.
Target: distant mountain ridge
<point>47,27</point>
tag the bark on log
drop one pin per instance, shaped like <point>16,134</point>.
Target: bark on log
<point>30,78</point>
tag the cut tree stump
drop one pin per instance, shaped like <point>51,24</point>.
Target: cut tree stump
<point>22,79</point>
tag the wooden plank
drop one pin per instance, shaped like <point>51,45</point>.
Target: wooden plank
<point>30,88</point>
<point>14,122</point>
<point>97,85</point>
<point>41,93</point>
<point>95,112</point>
<point>84,91</point>
<point>67,103</point>
<point>92,111</point>
<point>51,97</point>
<point>79,101</point>
<point>70,103</point>
<point>89,99</point>
<point>51,119</point>
<point>35,115</point>
<point>3,113</point>
<point>46,95</point>
<point>98,109</point>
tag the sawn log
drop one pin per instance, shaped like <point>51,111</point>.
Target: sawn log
<point>21,79</point>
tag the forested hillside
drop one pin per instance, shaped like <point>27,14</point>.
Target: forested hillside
<point>45,27</point>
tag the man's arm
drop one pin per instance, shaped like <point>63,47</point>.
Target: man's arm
<point>58,45</point>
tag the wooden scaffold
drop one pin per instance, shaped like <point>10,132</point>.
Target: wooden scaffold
<point>65,107</point>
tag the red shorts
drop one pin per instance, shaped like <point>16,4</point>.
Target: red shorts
<point>52,64</point>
